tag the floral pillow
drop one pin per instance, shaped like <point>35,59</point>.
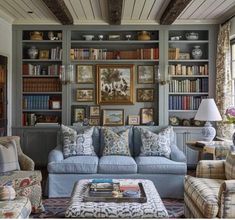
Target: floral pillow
<point>116,143</point>
<point>155,144</point>
<point>77,144</point>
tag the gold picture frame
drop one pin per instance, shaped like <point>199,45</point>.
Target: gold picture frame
<point>146,115</point>
<point>145,95</point>
<point>115,84</point>
<point>85,95</point>
<point>85,74</point>
<point>44,54</point>
<point>133,119</point>
<point>113,117</point>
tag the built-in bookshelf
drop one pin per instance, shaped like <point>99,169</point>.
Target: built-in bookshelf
<point>188,70</point>
<point>41,84</point>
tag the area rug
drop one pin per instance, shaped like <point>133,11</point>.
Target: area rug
<point>55,208</point>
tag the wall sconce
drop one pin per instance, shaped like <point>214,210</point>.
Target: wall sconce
<point>67,75</point>
<point>162,79</point>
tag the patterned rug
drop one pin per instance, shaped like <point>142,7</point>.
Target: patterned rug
<point>55,208</point>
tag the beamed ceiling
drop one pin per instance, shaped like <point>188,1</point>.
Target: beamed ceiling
<point>123,11</point>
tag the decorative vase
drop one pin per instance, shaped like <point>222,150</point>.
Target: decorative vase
<point>33,52</point>
<point>196,52</point>
<point>144,35</point>
<point>51,35</point>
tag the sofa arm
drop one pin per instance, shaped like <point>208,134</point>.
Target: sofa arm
<point>176,154</point>
<point>227,199</point>
<point>26,163</point>
<point>56,155</point>
<point>212,169</point>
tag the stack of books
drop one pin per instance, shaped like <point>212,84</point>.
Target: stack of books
<point>101,187</point>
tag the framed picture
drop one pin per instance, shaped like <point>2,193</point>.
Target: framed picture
<point>145,95</point>
<point>94,111</point>
<point>133,119</point>
<point>85,74</point>
<point>44,54</point>
<point>145,74</point>
<point>94,121</point>
<point>115,84</point>
<point>113,117</point>
<point>85,95</point>
<point>78,113</point>
<point>146,115</point>
<point>55,104</point>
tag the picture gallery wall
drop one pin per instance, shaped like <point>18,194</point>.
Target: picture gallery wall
<point>115,94</point>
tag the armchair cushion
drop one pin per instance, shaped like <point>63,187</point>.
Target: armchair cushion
<point>230,166</point>
<point>8,157</point>
<point>204,193</point>
<point>156,165</point>
<point>177,154</point>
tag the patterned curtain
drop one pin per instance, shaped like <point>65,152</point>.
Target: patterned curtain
<point>224,80</point>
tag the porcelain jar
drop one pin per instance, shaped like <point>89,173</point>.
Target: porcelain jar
<point>196,52</point>
<point>143,35</point>
<point>32,52</point>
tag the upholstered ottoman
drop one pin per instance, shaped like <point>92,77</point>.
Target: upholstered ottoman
<point>153,208</point>
<point>20,207</point>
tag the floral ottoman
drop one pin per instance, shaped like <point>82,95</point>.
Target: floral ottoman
<point>153,208</point>
<point>17,208</point>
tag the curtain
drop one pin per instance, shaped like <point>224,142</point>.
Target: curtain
<point>224,80</point>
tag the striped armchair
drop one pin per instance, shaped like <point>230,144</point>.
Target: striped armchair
<point>211,194</point>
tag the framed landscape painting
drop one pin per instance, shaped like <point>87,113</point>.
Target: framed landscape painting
<point>85,74</point>
<point>113,117</point>
<point>115,84</point>
<point>146,115</point>
<point>85,95</point>
<point>145,74</point>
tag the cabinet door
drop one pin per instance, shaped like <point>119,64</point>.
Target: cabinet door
<point>38,144</point>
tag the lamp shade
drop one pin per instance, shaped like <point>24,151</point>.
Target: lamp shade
<point>208,111</point>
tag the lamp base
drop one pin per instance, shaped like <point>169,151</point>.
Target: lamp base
<point>208,132</point>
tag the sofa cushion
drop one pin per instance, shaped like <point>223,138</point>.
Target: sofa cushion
<point>117,129</point>
<point>155,129</point>
<point>155,144</point>
<point>230,166</point>
<point>76,164</point>
<point>157,165</point>
<point>8,157</point>
<point>117,164</point>
<point>116,143</point>
<point>75,144</point>
<point>204,194</point>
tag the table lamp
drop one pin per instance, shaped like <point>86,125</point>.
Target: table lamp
<point>208,112</point>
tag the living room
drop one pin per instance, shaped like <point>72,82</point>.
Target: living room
<point>117,108</point>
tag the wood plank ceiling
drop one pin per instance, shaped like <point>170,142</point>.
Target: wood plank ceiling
<point>133,11</point>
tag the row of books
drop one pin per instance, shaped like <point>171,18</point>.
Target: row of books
<point>30,119</point>
<point>185,102</point>
<point>186,85</point>
<point>180,69</point>
<point>104,54</point>
<point>56,53</point>
<point>41,85</point>
<point>38,70</point>
<point>36,102</point>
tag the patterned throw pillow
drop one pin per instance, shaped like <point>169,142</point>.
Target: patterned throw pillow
<point>75,144</point>
<point>116,143</point>
<point>230,166</point>
<point>155,144</point>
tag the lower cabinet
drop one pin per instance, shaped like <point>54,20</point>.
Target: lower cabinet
<point>37,143</point>
<point>183,135</point>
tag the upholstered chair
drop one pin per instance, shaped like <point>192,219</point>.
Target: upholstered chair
<point>211,194</point>
<point>24,179</point>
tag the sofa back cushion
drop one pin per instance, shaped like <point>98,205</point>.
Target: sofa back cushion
<point>117,129</point>
<point>154,129</point>
<point>230,165</point>
<point>8,157</point>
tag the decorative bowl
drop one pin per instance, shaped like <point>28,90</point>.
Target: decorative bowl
<point>88,37</point>
<point>191,36</point>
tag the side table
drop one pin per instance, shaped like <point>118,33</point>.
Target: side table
<point>218,149</point>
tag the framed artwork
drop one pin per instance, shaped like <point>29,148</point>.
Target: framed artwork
<point>145,74</point>
<point>78,113</point>
<point>145,95</point>
<point>85,95</point>
<point>115,84</point>
<point>94,111</point>
<point>44,54</point>
<point>113,117</point>
<point>85,74</point>
<point>146,115</point>
<point>133,119</point>
<point>55,104</point>
<point>94,121</point>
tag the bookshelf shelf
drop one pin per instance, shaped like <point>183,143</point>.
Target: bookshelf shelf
<point>42,76</point>
<point>188,93</point>
<point>103,42</point>
<point>189,61</point>
<point>41,110</point>
<point>175,111</point>
<point>188,41</point>
<point>40,60</point>
<point>50,93</point>
<point>41,41</point>
<point>114,61</point>
<point>189,76</point>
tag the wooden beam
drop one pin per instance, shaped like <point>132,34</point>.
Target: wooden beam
<point>115,11</point>
<point>173,10</point>
<point>60,10</point>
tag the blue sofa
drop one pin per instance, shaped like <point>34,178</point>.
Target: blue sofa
<point>167,174</point>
